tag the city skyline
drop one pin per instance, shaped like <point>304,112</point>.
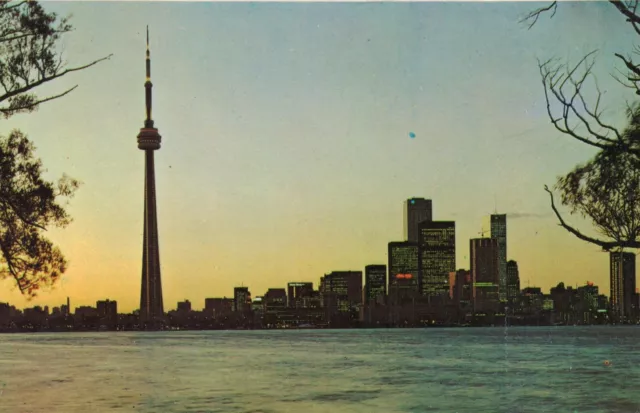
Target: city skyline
<point>288,197</point>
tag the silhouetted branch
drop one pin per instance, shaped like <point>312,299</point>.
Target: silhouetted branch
<point>572,116</point>
<point>535,15</point>
<point>30,102</point>
<point>628,9</point>
<point>29,106</point>
<point>633,74</point>
<point>605,245</point>
<point>29,54</point>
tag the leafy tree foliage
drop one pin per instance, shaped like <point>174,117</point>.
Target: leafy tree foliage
<point>29,204</point>
<point>607,190</point>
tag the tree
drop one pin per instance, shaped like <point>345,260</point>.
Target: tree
<point>605,189</point>
<point>28,55</point>
<point>29,204</point>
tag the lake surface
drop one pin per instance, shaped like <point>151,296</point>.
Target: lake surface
<point>523,369</point>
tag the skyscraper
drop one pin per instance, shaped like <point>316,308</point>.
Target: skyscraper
<point>499,232</point>
<point>484,273</point>
<point>404,271</point>
<point>513,281</point>
<point>375,285</point>
<point>623,283</point>
<point>241,299</point>
<point>437,250</point>
<point>416,210</point>
<point>342,293</point>
<point>151,306</point>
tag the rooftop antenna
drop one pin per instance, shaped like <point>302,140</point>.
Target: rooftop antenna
<point>148,123</point>
<point>495,204</point>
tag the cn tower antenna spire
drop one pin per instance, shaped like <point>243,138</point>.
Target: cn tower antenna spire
<point>148,123</point>
<point>151,303</point>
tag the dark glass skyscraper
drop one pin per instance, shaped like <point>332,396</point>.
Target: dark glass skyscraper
<point>484,273</point>
<point>416,211</point>
<point>437,250</point>
<point>623,284</point>
<point>499,232</point>
<point>375,284</point>
<point>151,306</point>
<point>513,281</point>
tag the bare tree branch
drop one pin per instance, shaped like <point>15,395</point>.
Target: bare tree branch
<point>567,90</point>
<point>535,15</point>
<point>30,86</point>
<point>630,14</point>
<point>605,245</point>
<point>8,111</point>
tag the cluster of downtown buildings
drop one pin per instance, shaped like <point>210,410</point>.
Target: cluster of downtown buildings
<point>419,286</point>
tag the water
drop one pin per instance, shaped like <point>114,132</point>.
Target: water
<point>536,369</point>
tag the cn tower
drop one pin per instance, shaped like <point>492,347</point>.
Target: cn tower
<point>151,307</point>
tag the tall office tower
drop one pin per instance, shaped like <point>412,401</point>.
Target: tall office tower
<point>623,283</point>
<point>151,307</point>
<point>484,273</point>
<point>499,232</point>
<point>437,250</point>
<point>416,210</point>
<point>375,282</point>
<point>404,271</point>
<point>341,291</point>
<point>299,294</point>
<point>241,299</point>
<point>513,281</point>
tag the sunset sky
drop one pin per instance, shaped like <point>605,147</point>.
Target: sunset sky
<point>286,151</point>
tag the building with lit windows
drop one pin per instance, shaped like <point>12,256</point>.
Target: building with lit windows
<point>299,294</point>
<point>623,285</point>
<point>437,251</point>
<point>375,284</point>
<point>404,272</point>
<point>513,282</point>
<point>342,295</point>
<point>499,232</point>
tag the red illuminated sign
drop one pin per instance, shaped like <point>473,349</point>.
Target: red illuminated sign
<point>404,276</point>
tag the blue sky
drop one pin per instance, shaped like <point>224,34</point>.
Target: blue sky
<point>285,126</point>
